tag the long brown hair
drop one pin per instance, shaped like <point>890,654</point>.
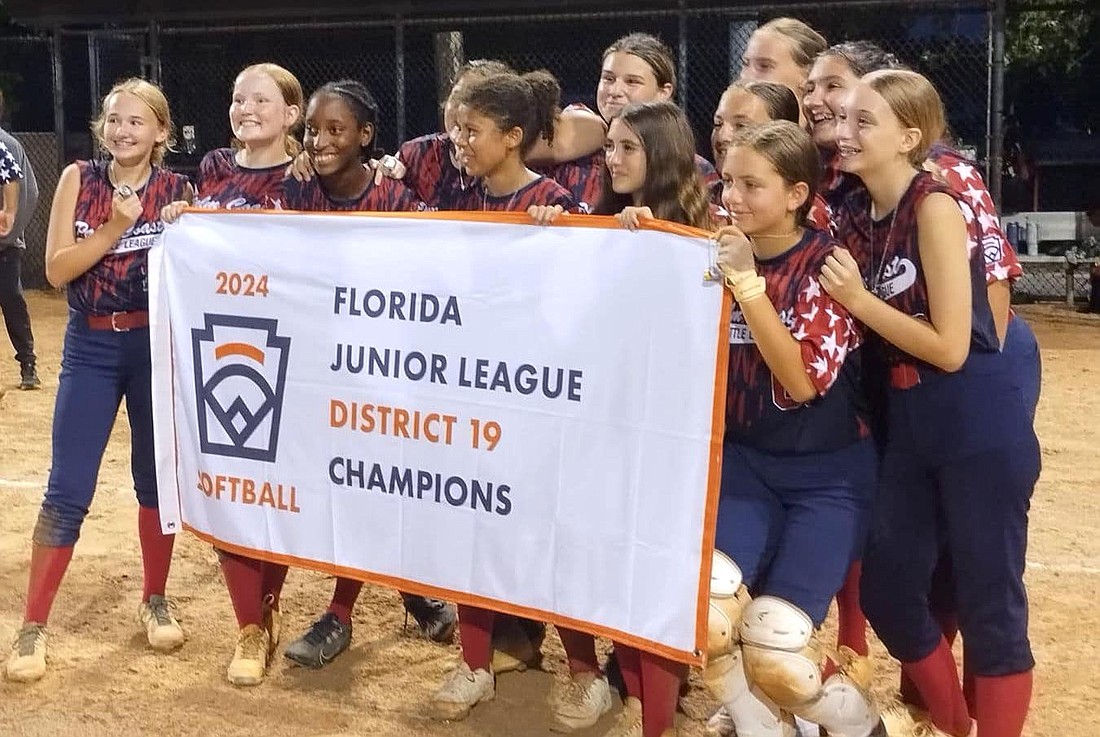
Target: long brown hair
<point>673,189</point>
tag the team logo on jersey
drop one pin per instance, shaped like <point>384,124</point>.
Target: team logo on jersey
<point>240,375</point>
<point>897,276</point>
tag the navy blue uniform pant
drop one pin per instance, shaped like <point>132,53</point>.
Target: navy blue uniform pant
<point>98,369</point>
<point>794,523</point>
<point>956,479</point>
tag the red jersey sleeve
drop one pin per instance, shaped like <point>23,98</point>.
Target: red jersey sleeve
<point>826,333</point>
<point>820,216</point>
<point>1001,262</point>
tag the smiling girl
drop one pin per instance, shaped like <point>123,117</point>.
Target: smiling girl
<point>499,120</point>
<point>798,465</point>
<point>961,458</point>
<point>105,216</point>
<point>265,109</point>
<point>834,73</point>
<point>650,172</point>
<point>340,129</point>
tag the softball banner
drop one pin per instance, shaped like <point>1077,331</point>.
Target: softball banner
<point>472,407</point>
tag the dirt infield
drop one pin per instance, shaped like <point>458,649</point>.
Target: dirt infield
<point>104,681</point>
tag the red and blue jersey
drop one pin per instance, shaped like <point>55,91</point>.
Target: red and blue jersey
<point>964,179</point>
<point>431,172</point>
<point>759,412</point>
<point>580,176</point>
<point>224,184</point>
<point>542,191</point>
<point>118,281</point>
<point>389,195</point>
<point>888,253</point>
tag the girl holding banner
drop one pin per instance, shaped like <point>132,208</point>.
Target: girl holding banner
<point>650,172</point>
<point>265,111</point>
<point>105,216</point>
<point>499,119</point>
<point>340,124</point>
<point>798,466</point>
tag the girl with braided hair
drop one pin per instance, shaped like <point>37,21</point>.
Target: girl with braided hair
<point>340,128</point>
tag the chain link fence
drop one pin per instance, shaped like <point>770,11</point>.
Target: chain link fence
<point>408,63</point>
<point>25,72</point>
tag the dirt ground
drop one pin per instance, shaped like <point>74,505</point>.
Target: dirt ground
<point>104,681</point>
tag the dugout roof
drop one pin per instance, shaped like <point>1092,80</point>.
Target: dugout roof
<point>45,13</point>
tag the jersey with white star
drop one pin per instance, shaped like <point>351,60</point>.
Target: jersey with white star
<point>9,167</point>
<point>759,412</point>
<point>888,254</point>
<point>963,177</point>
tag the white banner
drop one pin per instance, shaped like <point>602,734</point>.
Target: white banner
<point>468,406</point>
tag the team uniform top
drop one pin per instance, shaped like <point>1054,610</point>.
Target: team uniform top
<point>893,271</point>
<point>759,412</point>
<point>390,195</point>
<point>117,282</point>
<point>960,174</point>
<point>430,171</point>
<point>225,184</point>
<point>541,191</point>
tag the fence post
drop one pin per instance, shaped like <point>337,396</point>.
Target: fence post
<point>58,97</point>
<point>93,70</point>
<point>150,63</point>
<point>682,53</point>
<point>996,104</point>
<point>399,77</point>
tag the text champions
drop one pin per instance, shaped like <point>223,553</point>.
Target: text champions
<point>474,373</point>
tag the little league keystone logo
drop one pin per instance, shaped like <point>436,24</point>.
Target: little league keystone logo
<point>240,375</point>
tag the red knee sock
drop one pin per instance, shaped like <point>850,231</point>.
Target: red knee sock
<point>475,629</point>
<point>851,624</point>
<point>661,680</point>
<point>1002,704</point>
<point>244,579</point>
<point>630,663</point>
<point>343,598</point>
<point>273,575</point>
<point>949,625</point>
<point>580,648</point>
<point>48,564</point>
<point>156,552</point>
<point>937,680</point>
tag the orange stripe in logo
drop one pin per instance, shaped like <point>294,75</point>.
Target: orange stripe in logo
<point>239,349</point>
